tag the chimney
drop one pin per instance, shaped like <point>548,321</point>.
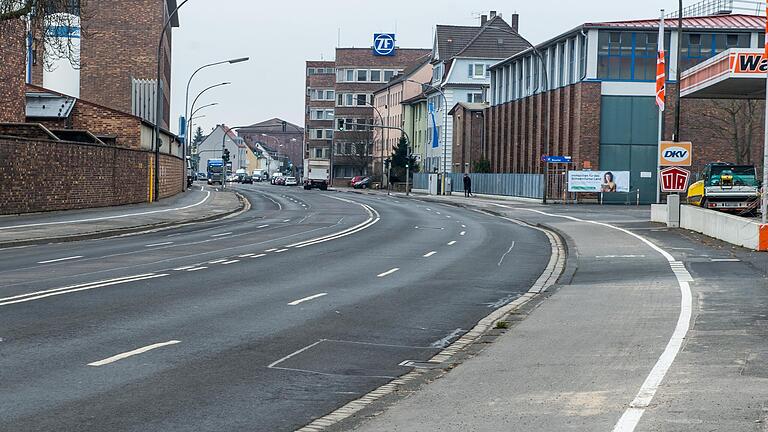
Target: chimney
<point>515,22</point>
<point>493,14</point>
<point>483,19</point>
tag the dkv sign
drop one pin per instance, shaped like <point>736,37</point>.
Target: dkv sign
<point>675,153</point>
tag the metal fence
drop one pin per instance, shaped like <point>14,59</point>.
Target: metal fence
<point>518,185</point>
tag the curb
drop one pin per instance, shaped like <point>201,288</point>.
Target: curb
<point>555,268</point>
<point>244,206</point>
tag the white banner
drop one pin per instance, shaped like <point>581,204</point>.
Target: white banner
<point>598,181</point>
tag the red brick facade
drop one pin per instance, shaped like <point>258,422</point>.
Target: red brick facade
<point>516,134</point>
<point>318,81</point>
<point>468,137</point>
<point>12,71</point>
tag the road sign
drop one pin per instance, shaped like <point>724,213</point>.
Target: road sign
<point>384,44</point>
<point>675,153</point>
<point>674,179</point>
<point>556,159</point>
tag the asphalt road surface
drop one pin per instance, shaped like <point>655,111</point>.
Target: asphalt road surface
<point>260,322</point>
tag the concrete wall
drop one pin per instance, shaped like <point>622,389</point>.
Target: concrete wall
<point>736,230</point>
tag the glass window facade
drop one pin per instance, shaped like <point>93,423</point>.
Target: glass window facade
<point>698,47</point>
<point>629,56</point>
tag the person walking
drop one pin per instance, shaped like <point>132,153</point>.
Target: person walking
<point>467,185</point>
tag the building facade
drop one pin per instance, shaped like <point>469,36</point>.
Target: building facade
<point>319,101</point>
<point>461,60</point>
<point>12,71</point>
<point>285,138</point>
<point>416,125</point>
<point>389,110</point>
<point>118,64</point>
<point>468,137</point>
<point>592,98</point>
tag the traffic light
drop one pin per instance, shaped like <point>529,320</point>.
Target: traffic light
<point>225,156</point>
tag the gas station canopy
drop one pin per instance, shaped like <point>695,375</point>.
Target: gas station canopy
<point>738,73</point>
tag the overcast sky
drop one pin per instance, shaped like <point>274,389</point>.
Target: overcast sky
<point>280,36</point>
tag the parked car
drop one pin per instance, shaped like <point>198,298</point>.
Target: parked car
<point>201,176</point>
<point>280,181</point>
<point>246,179</point>
<point>275,177</point>
<point>363,183</point>
<point>355,179</point>
<point>232,178</point>
<point>291,181</point>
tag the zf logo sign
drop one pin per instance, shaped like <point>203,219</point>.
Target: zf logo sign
<point>384,44</point>
<point>675,154</point>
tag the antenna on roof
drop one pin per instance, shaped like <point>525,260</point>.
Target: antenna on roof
<point>338,38</point>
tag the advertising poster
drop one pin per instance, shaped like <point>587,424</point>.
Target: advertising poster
<point>598,181</point>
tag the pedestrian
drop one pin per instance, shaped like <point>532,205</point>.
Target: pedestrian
<point>467,185</point>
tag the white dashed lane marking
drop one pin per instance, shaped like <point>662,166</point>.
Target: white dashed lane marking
<point>388,272</point>
<point>429,254</point>
<point>302,300</point>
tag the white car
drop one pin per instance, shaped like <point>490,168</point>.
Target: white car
<point>291,181</point>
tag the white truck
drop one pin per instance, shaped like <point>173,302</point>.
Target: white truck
<point>317,173</point>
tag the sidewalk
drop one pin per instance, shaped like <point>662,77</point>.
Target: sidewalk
<point>578,358</point>
<point>195,205</point>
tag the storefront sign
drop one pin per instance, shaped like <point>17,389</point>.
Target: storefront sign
<point>598,181</point>
<point>748,63</point>
<point>675,153</point>
<point>674,179</point>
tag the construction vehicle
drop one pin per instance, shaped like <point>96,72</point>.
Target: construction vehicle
<point>726,187</point>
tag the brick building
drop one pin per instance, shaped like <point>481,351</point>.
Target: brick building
<point>359,73</point>
<point>12,71</point>
<point>599,98</point>
<point>320,101</point>
<point>468,136</point>
<point>118,55</point>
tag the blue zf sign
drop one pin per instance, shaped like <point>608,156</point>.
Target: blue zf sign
<point>384,44</point>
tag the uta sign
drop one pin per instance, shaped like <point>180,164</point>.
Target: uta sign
<point>674,179</point>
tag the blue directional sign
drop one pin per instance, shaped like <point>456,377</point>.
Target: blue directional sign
<point>557,159</point>
<point>384,44</point>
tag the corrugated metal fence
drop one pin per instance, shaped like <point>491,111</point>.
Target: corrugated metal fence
<point>518,185</point>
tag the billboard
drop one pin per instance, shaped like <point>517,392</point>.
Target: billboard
<point>598,181</point>
<point>675,153</point>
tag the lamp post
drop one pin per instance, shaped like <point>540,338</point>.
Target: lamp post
<point>545,83</point>
<point>381,119</point>
<point>159,104</point>
<point>203,92</point>
<point>191,118</point>
<point>189,82</point>
<point>445,127</point>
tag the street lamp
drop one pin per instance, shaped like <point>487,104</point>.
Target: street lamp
<point>205,90</point>
<point>192,117</point>
<point>186,100</point>
<point>445,126</point>
<point>381,119</point>
<point>159,105</point>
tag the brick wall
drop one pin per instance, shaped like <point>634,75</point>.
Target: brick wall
<point>86,176</point>
<point>12,71</point>
<point>171,175</point>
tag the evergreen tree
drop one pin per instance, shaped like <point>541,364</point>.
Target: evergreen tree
<point>400,159</point>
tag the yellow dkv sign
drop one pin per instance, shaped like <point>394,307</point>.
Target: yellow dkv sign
<point>675,153</point>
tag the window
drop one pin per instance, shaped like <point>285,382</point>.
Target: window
<point>629,56</point>
<point>361,99</point>
<point>320,94</point>
<point>571,61</point>
<point>477,70</point>
<point>310,71</point>
<point>362,75</point>
<point>561,66</point>
<point>698,47</point>
<point>437,73</point>
<point>329,95</point>
<point>318,152</point>
<point>375,76</point>
<point>388,74</point>
<point>349,99</point>
<point>349,75</point>
<point>475,97</point>
<point>582,56</point>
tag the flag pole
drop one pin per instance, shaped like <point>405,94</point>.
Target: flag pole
<point>660,100</point>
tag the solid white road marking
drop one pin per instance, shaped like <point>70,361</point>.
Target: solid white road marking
<point>217,261</point>
<point>505,254</point>
<point>60,259</point>
<point>230,262</point>
<point>158,244</point>
<point>280,250</point>
<point>221,235</point>
<point>271,365</point>
<point>21,298</point>
<point>196,269</point>
<point>631,417</point>
<point>452,242</point>
<point>429,254</point>
<point>302,300</point>
<point>388,272</point>
<point>462,233</point>
<point>725,260</point>
<point>125,355</point>
<point>208,194</point>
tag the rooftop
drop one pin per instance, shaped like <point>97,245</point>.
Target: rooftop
<point>713,22</point>
<point>494,39</point>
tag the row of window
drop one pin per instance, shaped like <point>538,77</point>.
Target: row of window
<point>365,75</point>
<point>352,149</point>
<point>321,94</point>
<point>321,114</point>
<point>321,134</point>
<point>353,124</point>
<point>320,71</point>
<point>354,99</point>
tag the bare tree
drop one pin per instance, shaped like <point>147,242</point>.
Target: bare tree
<point>53,24</point>
<point>360,155</point>
<point>736,121</point>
